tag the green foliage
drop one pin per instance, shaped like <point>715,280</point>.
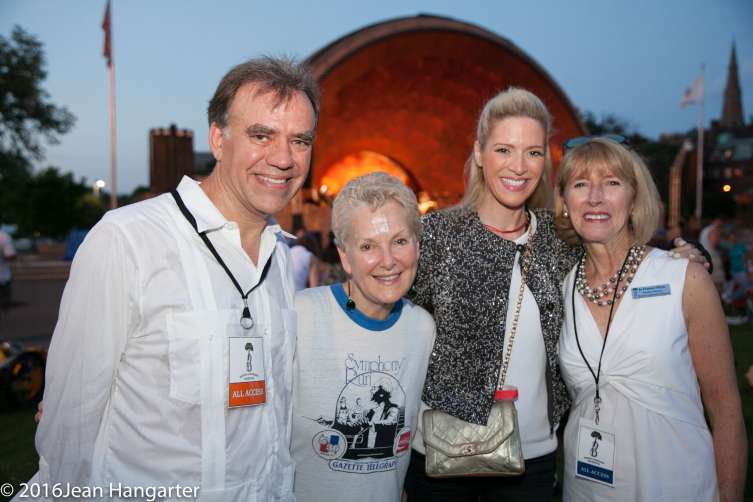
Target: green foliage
<point>55,203</point>
<point>46,203</point>
<point>607,124</point>
<point>139,193</point>
<point>25,112</point>
<point>15,176</point>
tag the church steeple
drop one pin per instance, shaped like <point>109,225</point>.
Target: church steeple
<point>732,109</point>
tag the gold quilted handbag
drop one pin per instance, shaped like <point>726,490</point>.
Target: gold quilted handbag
<point>456,448</point>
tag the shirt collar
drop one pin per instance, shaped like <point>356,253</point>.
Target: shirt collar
<point>207,216</point>
<point>275,227</point>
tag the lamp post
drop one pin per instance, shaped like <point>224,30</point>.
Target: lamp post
<point>98,186</point>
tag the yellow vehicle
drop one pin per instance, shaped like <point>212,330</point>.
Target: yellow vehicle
<point>21,373</point>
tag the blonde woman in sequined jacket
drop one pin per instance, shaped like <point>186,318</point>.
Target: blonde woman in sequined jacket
<point>469,277</point>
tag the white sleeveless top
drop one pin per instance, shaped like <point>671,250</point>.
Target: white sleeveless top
<point>649,391</point>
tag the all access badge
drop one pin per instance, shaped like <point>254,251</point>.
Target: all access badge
<point>246,379</point>
<point>595,455</point>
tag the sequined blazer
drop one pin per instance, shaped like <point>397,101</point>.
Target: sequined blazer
<point>464,278</point>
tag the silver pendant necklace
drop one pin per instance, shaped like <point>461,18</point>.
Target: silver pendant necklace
<point>246,321</point>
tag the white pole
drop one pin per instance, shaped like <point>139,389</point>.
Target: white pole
<point>113,157</point>
<point>699,166</point>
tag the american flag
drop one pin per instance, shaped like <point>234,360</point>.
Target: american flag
<point>694,93</point>
<point>107,49</point>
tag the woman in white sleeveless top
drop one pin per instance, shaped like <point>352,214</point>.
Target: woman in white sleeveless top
<point>644,347</point>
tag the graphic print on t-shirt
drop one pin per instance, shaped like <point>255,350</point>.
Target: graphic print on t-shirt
<point>366,431</point>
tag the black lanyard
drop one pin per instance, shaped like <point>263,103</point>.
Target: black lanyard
<point>597,374</point>
<point>246,321</point>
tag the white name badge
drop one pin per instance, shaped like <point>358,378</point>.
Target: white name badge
<point>246,379</point>
<point>595,454</point>
<point>651,291</point>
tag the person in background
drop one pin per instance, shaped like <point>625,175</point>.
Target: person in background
<point>305,263</point>
<point>710,238</point>
<point>362,352</point>
<point>645,348</point>
<point>7,254</point>
<point>735,251</point>
<point>738,290</point>
<point>331,270</point>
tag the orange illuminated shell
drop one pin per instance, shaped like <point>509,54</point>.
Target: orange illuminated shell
<point>353,165</point>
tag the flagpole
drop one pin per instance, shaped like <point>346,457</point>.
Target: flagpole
<point>113,156</point>
<point>699,164</point>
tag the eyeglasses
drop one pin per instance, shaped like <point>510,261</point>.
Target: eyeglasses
<point>582,140</point>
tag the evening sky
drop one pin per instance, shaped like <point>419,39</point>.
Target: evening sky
<point>630,58</point>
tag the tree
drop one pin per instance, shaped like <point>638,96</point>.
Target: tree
<point>55,203</point>
<point>15,176</point>
<point>658,156</point>
<point>26,117</point>
<point>25,111</point>
<point>607,124</point>
<point>139,193</point>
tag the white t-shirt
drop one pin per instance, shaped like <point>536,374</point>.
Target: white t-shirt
<point>527,369</point>
<point>357,391</point>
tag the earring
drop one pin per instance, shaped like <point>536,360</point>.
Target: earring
<point>412,293</point>
<point>350,304</point>
<point>565,213</point>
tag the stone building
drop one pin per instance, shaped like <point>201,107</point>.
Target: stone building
<point>170,157</point>
<point>728,176</point>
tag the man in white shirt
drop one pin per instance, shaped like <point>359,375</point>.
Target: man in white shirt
<point>171,363</point>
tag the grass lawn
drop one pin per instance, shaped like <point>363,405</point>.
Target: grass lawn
<point>18,459</point>
<point>742,342</point>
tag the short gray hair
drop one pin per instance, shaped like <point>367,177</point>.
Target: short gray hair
<point>282,76</point>
<point>372,190</point>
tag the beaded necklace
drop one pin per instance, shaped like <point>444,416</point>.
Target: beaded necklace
<point>600,295</point>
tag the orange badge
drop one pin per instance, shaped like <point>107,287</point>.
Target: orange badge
<point>246,379</point>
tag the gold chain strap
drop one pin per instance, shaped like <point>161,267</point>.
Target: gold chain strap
<point>525,264</point>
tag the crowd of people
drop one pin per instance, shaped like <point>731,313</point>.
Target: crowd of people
<point>197,357</point>
<point>733,275</point>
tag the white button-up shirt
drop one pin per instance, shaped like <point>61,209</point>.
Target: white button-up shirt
<point>137,374</point>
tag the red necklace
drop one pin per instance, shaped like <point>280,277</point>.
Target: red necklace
<point>500,231</point>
